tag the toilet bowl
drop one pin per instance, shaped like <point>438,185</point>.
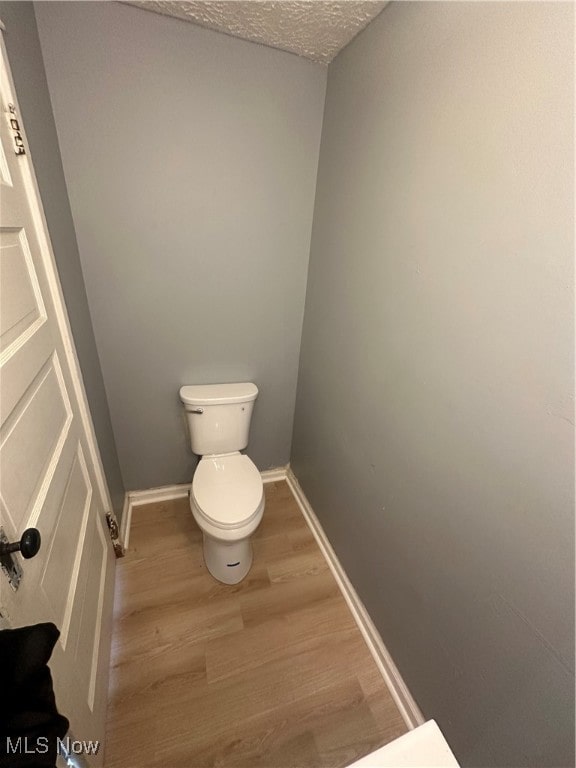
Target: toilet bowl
<point>227,495</point>
<point>227,502</point>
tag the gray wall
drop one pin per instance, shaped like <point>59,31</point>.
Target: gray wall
<point>191,160</point>
<point>434,421</point>
<point>25,56</point>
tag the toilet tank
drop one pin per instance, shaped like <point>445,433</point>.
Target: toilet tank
<point>218,416</point>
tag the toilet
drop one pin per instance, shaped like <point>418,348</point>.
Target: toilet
<point>227,495</point>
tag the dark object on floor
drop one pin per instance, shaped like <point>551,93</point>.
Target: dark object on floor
<point>30,724</point>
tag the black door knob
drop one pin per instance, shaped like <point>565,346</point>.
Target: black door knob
<point>28,545</point>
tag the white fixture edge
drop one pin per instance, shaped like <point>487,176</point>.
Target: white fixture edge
<point>406,704</point>
<point>167,493</point>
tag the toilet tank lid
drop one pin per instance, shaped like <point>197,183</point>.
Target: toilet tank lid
<point>218,394</point>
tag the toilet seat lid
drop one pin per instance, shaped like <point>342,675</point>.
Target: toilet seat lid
<point>227,489</point>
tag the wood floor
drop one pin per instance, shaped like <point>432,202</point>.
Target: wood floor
<point>272,672</point>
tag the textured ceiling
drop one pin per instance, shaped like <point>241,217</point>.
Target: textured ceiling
<point>317,29</point>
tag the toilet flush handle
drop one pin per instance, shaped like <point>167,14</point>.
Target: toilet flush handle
<point>197,410</point>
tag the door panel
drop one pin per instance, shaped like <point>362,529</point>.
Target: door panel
<point>21,306</point>
<point>31,442</point>
<point>50,470</point>
<point>60,574</point>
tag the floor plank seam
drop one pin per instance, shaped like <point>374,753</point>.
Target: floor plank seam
<point>274,673</point>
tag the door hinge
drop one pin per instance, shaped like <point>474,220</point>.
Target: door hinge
<point>16,130</point>
<point>114,532</point>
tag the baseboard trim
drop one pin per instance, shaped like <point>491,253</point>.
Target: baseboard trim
<point>398,689</point>
<point>408,708</point>
<point>168,492</point>
<point>125,522</point>
<point>154,495</point>
<point>275,475</point>
<point>149,496</point>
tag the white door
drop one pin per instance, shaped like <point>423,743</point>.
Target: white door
<point>50,470</point>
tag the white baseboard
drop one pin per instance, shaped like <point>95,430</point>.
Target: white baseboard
<point>398,688</point>
<point>150,496</point>
<point>167,492</point>
<point>154,495</point>
<point>275,475</point>
<point>124,533</point>
<point>408,708</point>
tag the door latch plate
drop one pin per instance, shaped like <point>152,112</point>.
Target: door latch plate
<point>10,565</point>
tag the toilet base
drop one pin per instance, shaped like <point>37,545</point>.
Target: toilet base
<point>228,561</point>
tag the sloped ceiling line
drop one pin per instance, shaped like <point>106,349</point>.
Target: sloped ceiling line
<point>316,29</point>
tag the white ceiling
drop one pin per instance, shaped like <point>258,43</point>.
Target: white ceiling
<point>316,29</point>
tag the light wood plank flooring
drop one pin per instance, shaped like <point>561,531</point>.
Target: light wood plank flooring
<point>271,672</point>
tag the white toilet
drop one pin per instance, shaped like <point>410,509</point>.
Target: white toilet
<point>227,495</point>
